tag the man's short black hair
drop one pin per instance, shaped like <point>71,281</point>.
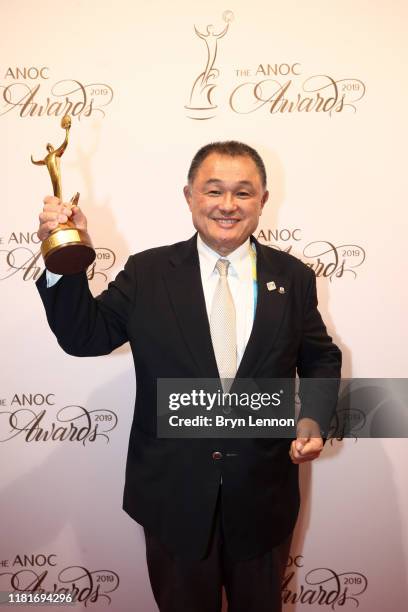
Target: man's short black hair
<point>233,148</point>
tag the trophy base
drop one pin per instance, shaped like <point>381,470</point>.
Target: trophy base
<point>67,250</point>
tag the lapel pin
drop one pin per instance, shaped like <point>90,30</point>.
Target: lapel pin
<point>281,289</point>
<point>271,286</point>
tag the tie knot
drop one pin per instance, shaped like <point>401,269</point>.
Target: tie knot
<point>222,266</point>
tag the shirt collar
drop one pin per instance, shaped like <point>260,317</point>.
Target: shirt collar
<point>239,259</point>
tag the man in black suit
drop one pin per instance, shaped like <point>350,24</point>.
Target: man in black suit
<point>215,512</point>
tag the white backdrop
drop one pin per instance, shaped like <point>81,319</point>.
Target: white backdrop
<point>338,201</point>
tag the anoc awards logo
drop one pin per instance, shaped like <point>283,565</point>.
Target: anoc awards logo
<point>322,587</point>
<point>277,88</point>
<point>326,258</point>
<point>43,573</point>
<point>37,417</point>
<point>30,91</point>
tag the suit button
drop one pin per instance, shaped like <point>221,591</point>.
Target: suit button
<point>217,455</point>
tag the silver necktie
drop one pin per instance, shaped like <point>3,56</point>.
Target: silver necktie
<point>223,327</point>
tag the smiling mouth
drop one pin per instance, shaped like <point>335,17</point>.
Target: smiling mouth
<point>225,221</point>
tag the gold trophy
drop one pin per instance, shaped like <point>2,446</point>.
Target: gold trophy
<point>67,250</point>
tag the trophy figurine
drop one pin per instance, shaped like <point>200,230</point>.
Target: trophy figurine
<point>67,250</point>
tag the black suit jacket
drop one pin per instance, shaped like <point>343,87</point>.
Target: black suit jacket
<point>157,304</point>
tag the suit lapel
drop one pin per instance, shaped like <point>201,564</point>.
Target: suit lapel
<point>270,310</point>
<point>183,281</point>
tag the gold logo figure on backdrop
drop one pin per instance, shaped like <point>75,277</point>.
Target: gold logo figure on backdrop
<point>201,92</point>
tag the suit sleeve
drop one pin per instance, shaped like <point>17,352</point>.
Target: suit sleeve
<point>86,326</point>
<point>319,364</point>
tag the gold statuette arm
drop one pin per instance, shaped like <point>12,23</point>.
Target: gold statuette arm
<point>40,162</point>
<point>64,145</point>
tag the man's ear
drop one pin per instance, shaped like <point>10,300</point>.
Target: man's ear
<point>264,199</point>
<point>187,195</point>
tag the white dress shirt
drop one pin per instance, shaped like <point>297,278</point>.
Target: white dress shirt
<point>240,282</point>
<point>51,278</point>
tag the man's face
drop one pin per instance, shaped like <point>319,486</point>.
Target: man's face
<point>226,200</point>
